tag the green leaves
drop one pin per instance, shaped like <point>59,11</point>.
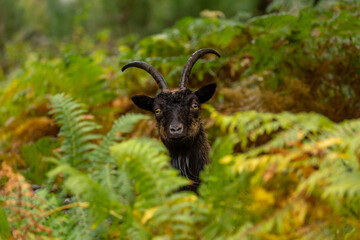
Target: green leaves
<point>277,171</point>
<point>304,157</point>
<point>75,130</point>
<point>142,159</point>
<point>270,174</point>
<point>5,231</point>
<point>85,188</point>
<point>34,157</point>
<point>122,125</point>
<point>105,188</point>
<point>273,22</point>
<point>157,206</point>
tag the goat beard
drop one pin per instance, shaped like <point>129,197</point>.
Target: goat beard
<point>183,142</point>
<point>179,143</point>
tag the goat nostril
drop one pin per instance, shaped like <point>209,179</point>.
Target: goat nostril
<point>176,129</point>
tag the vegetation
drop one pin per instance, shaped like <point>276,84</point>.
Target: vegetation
<point>78,162</point>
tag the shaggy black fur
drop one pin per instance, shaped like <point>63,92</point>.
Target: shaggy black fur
<point>190,158</point>
<point>177,114</point>
<point>189,148</point>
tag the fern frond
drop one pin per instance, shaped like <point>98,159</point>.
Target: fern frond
<point>114,180</point>
<point>249,126</point>
<point>104,169</point>
<point>221,187</point>
<point>24,209</point>
<point>122,125</point>
<point>349,132</point>
<point>133,229</point>
<point>148,166</point>
<point>82,185</point>
<point>5,230</point>
<point>155,183</point>
<point>75,130</point>
<point>316,156</point>
<point>345,184</point>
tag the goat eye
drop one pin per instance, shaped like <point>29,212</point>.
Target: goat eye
<point>195,106</point>
<point>157,111</point>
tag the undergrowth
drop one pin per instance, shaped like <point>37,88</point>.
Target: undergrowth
<point>283,125</point>
<point>304,176</point>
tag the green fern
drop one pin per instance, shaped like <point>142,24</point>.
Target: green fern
<point>75,130</point>
<point>155,182</point>
<point>78,149</point>
<point>86,189</point>
<point>298,145</point>
<point>5,230</point>
<point>124,124</point>
<point>104,169</point>
<point>249,126</point>
<point>215,211</point>
<point>107,187</point>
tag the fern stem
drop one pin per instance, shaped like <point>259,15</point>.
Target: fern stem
<point>68,206</point>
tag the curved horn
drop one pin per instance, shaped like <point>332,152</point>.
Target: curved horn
<point>184,79</point>
<point>150,69</point>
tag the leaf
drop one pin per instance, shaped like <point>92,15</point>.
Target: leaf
<point>5,231</point>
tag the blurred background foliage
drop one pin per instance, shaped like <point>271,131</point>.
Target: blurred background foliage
<point>58,19</point>
<point>53,21</point>
<point>283,123</point>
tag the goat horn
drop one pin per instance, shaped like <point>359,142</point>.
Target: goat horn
<point>150,69</point>
<point>184,79</point>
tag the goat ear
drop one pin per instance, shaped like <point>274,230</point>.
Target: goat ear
<point>206,92</point>
<point>143,102</point>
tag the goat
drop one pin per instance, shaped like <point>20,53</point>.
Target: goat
<point>177,113</point>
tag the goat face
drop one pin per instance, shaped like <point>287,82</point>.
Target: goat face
<point>177,112</point>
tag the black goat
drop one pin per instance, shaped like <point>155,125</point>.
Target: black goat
<point>178,118</point>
